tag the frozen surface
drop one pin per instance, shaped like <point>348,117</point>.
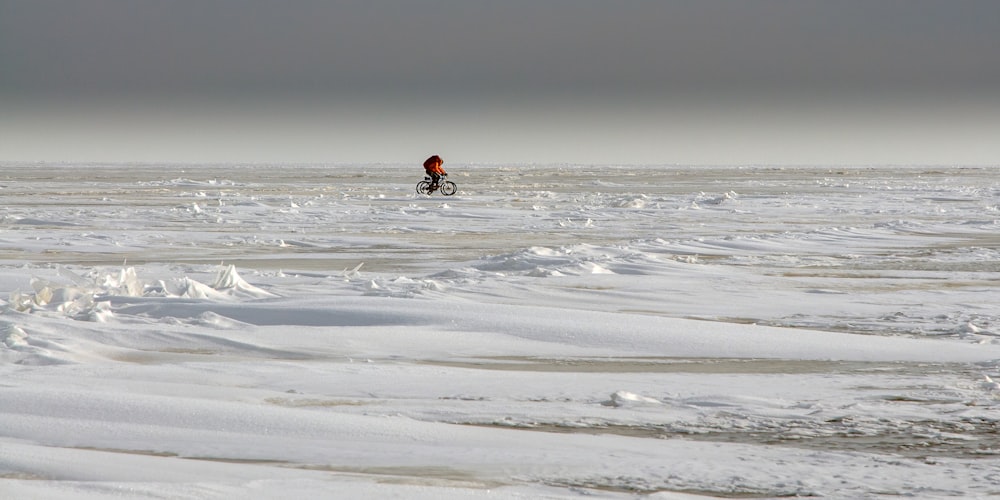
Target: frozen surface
<point>281,331</point>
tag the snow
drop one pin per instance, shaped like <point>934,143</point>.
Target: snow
<point>551,331</point>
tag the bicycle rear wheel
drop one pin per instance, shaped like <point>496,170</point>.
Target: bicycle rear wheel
<point>448,188</point>
<point>424,187</point>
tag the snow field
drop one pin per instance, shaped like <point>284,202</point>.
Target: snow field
<point>550,331</point>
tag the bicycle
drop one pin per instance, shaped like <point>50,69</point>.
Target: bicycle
<point>427,187</point>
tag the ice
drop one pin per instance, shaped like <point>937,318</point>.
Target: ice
<point>551,331</point>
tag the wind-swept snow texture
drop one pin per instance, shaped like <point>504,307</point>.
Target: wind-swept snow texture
<point>320,331</point>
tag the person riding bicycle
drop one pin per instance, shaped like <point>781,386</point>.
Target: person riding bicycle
<point>432,167</point>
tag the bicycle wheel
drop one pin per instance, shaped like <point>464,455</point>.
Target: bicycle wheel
<point>448,188</point>
<point>423,187</point>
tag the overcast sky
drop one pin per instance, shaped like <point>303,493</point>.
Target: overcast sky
<point>477,81</point>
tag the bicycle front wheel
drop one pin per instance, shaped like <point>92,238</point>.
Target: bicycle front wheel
<point>448,188</point>
<point>424,187</point>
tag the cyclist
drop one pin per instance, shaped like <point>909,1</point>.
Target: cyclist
<point>432,167</point>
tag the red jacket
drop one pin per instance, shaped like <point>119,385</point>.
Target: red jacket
<point>433,165</point>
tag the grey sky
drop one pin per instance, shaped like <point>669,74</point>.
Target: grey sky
<point>707,81</point>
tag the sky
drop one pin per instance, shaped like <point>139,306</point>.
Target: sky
<point>491,82</point>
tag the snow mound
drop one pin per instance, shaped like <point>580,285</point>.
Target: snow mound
<point>707,199</point>
<point>576,260</point>
<point>230,283</point>
<point>90,299</point>
<point>402,287</point>
<point>625,398</point>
